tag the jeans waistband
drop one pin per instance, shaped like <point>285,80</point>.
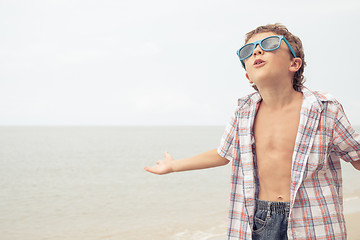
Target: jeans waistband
<point>275,207</point>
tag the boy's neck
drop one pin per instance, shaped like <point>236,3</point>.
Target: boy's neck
<point>279,97</point>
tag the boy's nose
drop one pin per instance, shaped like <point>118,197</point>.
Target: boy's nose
<point>258,50</point>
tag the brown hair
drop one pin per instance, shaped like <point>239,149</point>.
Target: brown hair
<point>295,43</point>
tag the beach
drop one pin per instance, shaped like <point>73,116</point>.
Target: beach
<point>352,225</point>
<point>69,183</point>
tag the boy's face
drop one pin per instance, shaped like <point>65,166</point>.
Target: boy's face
<point>263,66</point>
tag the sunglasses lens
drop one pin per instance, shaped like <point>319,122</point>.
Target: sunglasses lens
<point>246,51</point>
<point>270,43</point>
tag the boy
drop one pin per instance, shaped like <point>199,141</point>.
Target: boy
<point>285,143</point>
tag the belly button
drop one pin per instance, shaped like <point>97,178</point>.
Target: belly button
<point>280,198</point>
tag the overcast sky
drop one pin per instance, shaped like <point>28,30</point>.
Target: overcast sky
<point>158,62</point>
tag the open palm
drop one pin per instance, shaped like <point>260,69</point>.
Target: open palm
<point>162,166</point>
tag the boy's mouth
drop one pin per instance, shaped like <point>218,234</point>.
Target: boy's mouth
<point>258,62</point>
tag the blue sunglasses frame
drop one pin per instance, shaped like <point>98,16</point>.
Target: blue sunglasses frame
<point>268,50</point>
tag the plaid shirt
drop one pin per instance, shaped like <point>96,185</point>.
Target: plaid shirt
<point>316,202</point>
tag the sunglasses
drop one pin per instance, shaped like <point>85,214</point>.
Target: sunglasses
<point>267,44</point>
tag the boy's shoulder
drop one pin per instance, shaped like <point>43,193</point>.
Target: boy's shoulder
<point>322,97</point>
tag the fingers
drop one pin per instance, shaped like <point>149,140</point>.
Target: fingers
<point>152,169</point>
<point>167,156</point>
<point>162,166</point>
<point>149,169</point>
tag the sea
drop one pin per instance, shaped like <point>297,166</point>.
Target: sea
<point>72,183</point>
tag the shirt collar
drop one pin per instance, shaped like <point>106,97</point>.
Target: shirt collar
<point>310,99</point>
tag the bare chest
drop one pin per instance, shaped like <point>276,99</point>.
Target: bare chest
<point>276,131</point>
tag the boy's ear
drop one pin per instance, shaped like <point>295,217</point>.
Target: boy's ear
<point>295,64</point>
<point>247,76</point>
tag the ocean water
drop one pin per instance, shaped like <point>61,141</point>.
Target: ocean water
<point>89,183</point>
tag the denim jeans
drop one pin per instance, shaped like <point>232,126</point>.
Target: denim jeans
<point>270,220</point>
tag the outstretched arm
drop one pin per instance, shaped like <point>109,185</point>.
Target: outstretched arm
<point>204,160</point>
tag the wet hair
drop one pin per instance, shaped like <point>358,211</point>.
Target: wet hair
<point>295,43</point>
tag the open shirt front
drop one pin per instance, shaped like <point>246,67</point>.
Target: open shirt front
<point>316,202</point>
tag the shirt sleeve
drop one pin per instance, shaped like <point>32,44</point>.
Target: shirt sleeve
<point>346,141</point>
<point>226,147</point>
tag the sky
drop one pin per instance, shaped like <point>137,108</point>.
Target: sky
<point>159,62</point>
